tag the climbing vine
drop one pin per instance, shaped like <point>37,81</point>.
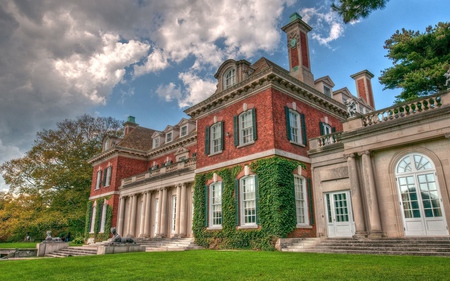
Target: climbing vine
<point>88,219</point>
<point>276,206</point>
<point>98,220</point>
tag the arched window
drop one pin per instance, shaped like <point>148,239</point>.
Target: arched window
<point>229,78</point>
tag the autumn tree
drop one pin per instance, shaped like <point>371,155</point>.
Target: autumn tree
<point>50,185</point>
<point>351,10</point>
<point>420,61</point>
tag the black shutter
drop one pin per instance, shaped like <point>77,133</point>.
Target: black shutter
<point>236,130</point>
<point>207,145</point>
<point>257,199</point>
<point>310,202</point>
<point>255,131</point>
<point>322,131</point>
<point>104,177</point>
<point>206,206</point>
<point>303,123</point>
<point>236,200</point>
<point>333,129</point>
<point>288,123</point>
<point>222,136</point>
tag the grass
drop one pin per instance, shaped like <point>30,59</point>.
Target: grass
<point>22,245</point>
<point>228,265</point>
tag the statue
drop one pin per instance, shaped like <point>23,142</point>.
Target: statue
<point>447,76</point>
<point>49,238</point>
<point>351,107</point>
<point>119,239</point>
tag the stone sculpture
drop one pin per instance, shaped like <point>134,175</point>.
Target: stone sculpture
<point>49,238</point>
<point>351,107</point>
<point>447,76</point>
<point>119,239</point>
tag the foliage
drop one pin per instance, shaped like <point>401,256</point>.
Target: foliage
<point>420,61</point>
<point>97,235</point>
<point>276,206</point>
<point>19,245</point>
<point>50,185</point>
<point>229,265</point>
<point>351,10</point>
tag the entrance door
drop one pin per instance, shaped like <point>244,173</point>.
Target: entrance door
<point>339,214</point>
<point>419,196</point>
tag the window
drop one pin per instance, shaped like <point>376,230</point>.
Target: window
<point>245,128</point>
<point>174,212</point>
<point>295,126</point>
<point>156,143</point>
<point>107,181</point>
<point>300,200</point>
<point>229,78</point>
<point>215,205</point>
<point>169,137</point>
<point>326,129</point>
<point>184,131</point>
<point>327,91</point>
<point>248,201</point>
<point>214,138</point>
<point>99,179</point>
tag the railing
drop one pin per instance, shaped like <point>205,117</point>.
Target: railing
<point>187,163</point>
<point>325,140</point>
<point>401,110</point>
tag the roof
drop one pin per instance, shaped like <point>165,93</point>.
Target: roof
<point>140,138</point>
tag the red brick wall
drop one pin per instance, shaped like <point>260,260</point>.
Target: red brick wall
<point>362,90</point>
<point>304,46</point>
<point>294,57</point>
<point>369,86</point>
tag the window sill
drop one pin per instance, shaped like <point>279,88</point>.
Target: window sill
<point>296,143</point>
<point>216,153</point>
<point>303,226</point>
<point>242,145</point>
<point>214,228</point>
<point>251,226</point>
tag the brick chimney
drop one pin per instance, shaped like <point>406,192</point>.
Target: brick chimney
<point>129,126</point>
<point>298,49</point>
<point>364,86</point>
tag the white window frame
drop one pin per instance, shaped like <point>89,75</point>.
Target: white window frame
<point>215,205</point>
<point>327,91</point>
<point>246,128</point>
<point>99,179</point>
<point>108,176</point>
<point>295,126</point>
<point>174,213</point>
<point>185,128</point>
<point>326,129</point>
<point>301,202</point>
<point>229,78</point>
<point>216,138</point>
<point>155,143</point>
<point>169,137</point>
<point>247,198</point>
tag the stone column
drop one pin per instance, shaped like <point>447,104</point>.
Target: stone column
<point>132,228</point>
<point>147,215</point>
<point>358,214</point>
<point>120,215</point>
<point>158,226</point>
<point>183,213</point>
<point>142,218</point>
<point>177,211</point>
<point>164,213</point>
<point>370,193</point>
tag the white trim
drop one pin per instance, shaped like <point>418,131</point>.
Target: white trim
<point>270,152</point>
<point>103,195</point>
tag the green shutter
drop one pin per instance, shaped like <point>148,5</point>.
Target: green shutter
<point>321,128</point>
<point>333,129</point>
<point>104,176</point>
<point>236,130</point>
<point>288,123</point>
<point>207,145</point>
<point>206,206</point>
<point>257,199</point>
<point>310,202</point>
<point>222,136</point>
<point>236,200</point>
<point>255,131</point>
<point>303,122</point>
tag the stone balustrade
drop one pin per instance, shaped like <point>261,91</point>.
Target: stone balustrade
<point>325,140</point>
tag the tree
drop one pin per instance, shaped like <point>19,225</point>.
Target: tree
<point>351,10</point>
<point>50,185</point>
<point>420,61</point>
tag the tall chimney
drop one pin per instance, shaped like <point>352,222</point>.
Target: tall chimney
<point>364,86</point>
<point>298,49</point>
<point>129,125</point>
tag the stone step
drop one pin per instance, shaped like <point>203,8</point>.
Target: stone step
<point>168,244</point>
<point>73,251</point>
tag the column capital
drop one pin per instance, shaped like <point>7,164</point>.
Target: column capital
<point>447,135</point>
<point>365,152</point>
<point>349,155</point>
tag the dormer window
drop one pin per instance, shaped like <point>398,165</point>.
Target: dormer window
<point>169,137</point>
<point>229,78</point>
<point>184,131</point>
<point>156,143</point>
<point>327,91</point>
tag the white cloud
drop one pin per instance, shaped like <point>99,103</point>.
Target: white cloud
<point>7,153</point>
<point>197,89</point>
<point>154,62</point>
<point>168,92</point>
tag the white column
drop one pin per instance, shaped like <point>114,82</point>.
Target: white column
<point>163,229</point>
<point>120,215</point>
<point>142,218</point>
<point>132,228</point>
<point>371,200</point>
<point>177,218</point>
<point>358,214</point>
<point>147,215</point>
<point>183,213</point>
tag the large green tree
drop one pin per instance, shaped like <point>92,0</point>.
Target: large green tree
<point>420,61</point>
<point>50,185</point>
<point>351,10</point>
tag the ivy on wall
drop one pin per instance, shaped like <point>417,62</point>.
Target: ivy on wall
<point>98,220</point>
<point>88,219</point>
<point>276,206</point>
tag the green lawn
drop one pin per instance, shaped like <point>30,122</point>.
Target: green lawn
<point>19,245</point>
<point>228,265</point>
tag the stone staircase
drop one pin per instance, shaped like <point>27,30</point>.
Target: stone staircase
<point>74,252</point>
<point>423,246</point>
<point>168,244</point>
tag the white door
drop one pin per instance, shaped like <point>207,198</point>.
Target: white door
<point>419,196</point>
<point>339,214</point>
<point>155,226</point>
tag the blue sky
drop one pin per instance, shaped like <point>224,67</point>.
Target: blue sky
<point>152,59</point>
